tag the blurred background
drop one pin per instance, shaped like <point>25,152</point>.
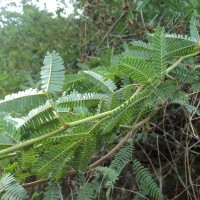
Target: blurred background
<point>83,32</point>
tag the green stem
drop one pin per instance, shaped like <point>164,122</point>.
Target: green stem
<point>7,156</point>
<point>179,61</point>
<point>59,116</point>
<point>102,159</point>
<point>32,141</point>
<point>63,128</point>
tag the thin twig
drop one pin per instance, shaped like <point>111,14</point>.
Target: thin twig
<point>111,28</point>
<point>120,144</point>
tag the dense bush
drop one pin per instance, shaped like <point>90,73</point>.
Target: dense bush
<point>124,127</point>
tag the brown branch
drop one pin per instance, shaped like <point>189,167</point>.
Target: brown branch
<point>115,23</point>
<point>102,159</point>
<point>34,183</point>
<point>120,144</point>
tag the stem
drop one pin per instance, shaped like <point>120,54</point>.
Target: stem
<point>32,141</point>
<point>104,114</point>
<point>179,61</point>
<point>120,144</point>
<point>102,159</point>
<point>53,107</point>
<point>98,116</point>
<point>63,128</point>
<point>7,156</point>
<point>111,28</point>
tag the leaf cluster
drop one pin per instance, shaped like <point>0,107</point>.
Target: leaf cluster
<point>52,133</point>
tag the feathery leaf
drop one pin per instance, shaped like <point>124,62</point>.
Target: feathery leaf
<point>23,100</point>
<point>193,29</point>
<point>107,86</point>
<point>159,54</point>
<point>140,70</point>
<point>76,99</point>
<point>145,181</point>
<point>53,191</point>
<point>52,73</point>
<point>10,189</point>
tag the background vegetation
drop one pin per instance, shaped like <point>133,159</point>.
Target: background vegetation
<point>96,34</point>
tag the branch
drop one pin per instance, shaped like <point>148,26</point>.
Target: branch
<point>65,127</point>
<point>114,24</point>
<point>179,61</point>
<point>102,159</point>
<point>35,183</point>
<point>7,156</point>
<point>32,141</point>
<point>120,144</point>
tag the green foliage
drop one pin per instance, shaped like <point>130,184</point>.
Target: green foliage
<point>30,98</point>
<point>168,13</point>
<point>107,86</point>
<point>145,181</point>
<point>10,189</point>
<point>53,192</point>
<point>55,160</point>
<point>181,45</point>
<point>37,117</point>
<point>159,57</point>
<point>25,38</point>
<point>52,75</point>
<point>53,134</point>
<point>84,153</point>
<point>193,110</point>
<point>75,99</point>
<point>28,158</point>
<point>139,70</point>
<point>8,137</point>
<point>87,190</point>
<point>121,159</point>
<point>141,46</point>
<point>194,24</point>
